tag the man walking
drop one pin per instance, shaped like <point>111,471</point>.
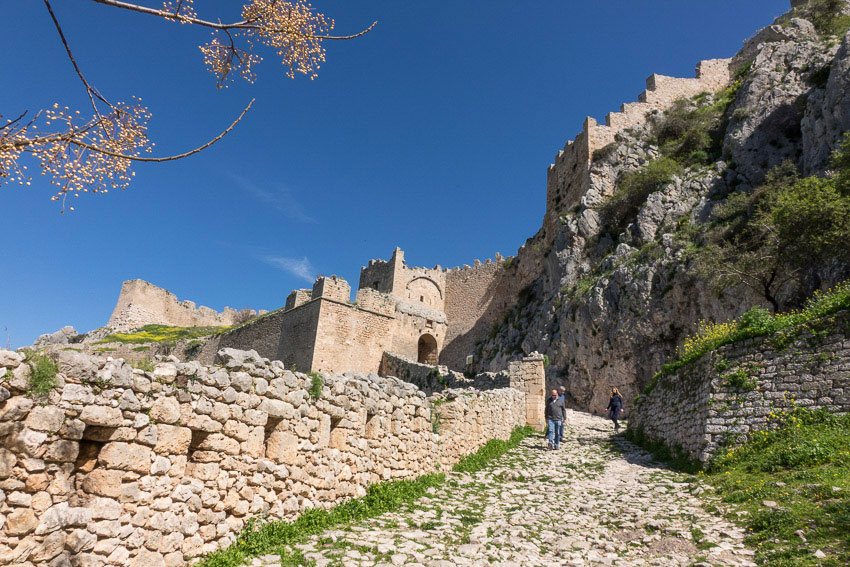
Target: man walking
<point>562,393</point>
<point>555,411</point>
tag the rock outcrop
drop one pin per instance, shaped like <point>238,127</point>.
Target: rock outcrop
<point>609,309</point>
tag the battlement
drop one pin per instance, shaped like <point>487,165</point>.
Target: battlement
<point>333,288</point>
<point>298,297</point>
<point>568,177</point>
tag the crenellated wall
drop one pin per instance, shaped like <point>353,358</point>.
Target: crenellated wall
<point>568,178</point>
<point>119,467</point>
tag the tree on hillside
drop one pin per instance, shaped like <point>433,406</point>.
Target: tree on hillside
<point>94,155</point>
<point>786,231</point>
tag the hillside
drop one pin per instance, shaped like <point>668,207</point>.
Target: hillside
<point>723,201</point>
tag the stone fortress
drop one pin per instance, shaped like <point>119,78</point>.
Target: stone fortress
<point>124,466</point>
<point>434,315</point>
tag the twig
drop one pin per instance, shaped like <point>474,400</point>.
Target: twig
<point>219,26</point>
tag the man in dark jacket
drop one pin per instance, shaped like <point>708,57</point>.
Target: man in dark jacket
<point>555,412</point>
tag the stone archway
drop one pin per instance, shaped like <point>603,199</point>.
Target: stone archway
<point>427,350</point>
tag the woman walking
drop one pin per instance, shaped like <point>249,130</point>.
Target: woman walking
<point>615,406</point>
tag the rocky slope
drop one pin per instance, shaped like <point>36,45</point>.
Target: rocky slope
<point>611,305</point>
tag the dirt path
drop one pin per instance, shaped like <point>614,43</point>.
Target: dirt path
<point>599,500</point>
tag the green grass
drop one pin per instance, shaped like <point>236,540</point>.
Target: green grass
<point>145,364</point>
<point>43,373</point>
<point>160,334</point>
<point>758,322</point>
<point>796,466</point>
<point>493,449</point>
<point>278,537</point>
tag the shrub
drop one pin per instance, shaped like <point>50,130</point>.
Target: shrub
<point>622,207</point>
<point>825,15</point>
<point>145,364</point>
<point>42,373</point>
<point>316,385</point>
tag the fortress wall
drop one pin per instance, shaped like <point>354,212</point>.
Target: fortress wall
<point>262,335</point>
<point>350,338</point>
<point>476,298</point>
<point>698,409</point>
<point>141,303</point>
<point>567,178</point>
<point>118,467</point>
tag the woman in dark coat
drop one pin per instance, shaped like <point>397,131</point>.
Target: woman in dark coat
<point>615,406</point>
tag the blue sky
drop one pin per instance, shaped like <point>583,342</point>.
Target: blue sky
<point>432,133</point>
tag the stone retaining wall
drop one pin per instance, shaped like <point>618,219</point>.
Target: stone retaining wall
<point>120,467</point>
<point>732,391</point>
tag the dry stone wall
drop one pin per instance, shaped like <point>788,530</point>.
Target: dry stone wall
<point>732,391</point>
<point>121,467</point>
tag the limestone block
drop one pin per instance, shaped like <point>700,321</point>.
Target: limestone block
<point>62,451</point>
<point>103,482</point>
<point>7,462</point>
<point>104,508</point>
<point>202,471</point>
<point>147,558</point>
<point>282,447</point>
<point>203,423</point>
<point>16,409</point>
<point>277,408</point>
<point>165,372</point>
<point>126,456</point>
<point>20,522</point>
<point>219,443</point>
<point>165,410</point>
<point>102,416</point>
<point>62,516</point>
<point>10,358</point>
<point>173,440</point>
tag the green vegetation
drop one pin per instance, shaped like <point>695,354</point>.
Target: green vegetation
<point>758,322</point>
<point>42,373</point>
<point>493,449</point>
<point>436,415</point>
<point>620,209</point>
<point>145,364</point>
<point>780,233</point>
<point>689,134</point>
<point>676,457</point>
<point>279,537</point>
<point>793,482</point>
<point>161,334</point>
<point>824,14</point>
<point>316,385</point>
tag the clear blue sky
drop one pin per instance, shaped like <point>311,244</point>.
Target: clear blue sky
<point>433,133</point>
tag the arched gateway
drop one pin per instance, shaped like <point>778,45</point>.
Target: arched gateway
<point>427,350</point>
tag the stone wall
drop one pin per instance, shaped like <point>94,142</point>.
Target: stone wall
<point>698,409</point>
<point>141,303</point>
<point>120,467</point>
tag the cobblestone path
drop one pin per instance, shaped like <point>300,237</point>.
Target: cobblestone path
<point>599,500</point>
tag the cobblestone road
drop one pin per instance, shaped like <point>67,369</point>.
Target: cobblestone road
<point>599,500</point>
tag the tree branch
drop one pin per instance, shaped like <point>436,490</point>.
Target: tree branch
<point>219,26</point>
<point>164,158</point>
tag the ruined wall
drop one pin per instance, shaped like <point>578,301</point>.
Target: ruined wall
<point>141,303</point>
<point>120,467</point>
<point>431,379</point>
<point>262,335</point>
<point>700,410</point>
<point>568,178</point>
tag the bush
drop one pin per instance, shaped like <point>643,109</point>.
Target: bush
<point>316,385</point>
<point>161,334</point>
<point>825,15</point>
<point>42,373</point>
<point>622,207</point>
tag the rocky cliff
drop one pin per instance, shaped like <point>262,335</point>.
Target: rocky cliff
<point>617,292</point>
